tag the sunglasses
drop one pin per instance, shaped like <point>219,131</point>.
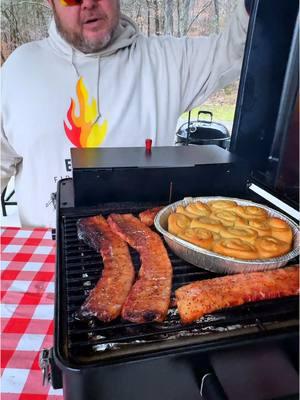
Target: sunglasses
<point>68,3</point>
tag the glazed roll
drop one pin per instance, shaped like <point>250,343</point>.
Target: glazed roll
<point>198,208</point>
<point>269,247</point>
<point>261,226</point>
<point>220,205</point>
<point>247,234</point>
<point>281,230</point>
<point>235,248</point>
<point>182,210</point>
<point>229,218</point>
<point>200,237</point>
<point>251,212</point>
<point>178,223</point>
<point>207,223</point>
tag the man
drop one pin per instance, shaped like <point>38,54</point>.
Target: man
<point>95,81</point>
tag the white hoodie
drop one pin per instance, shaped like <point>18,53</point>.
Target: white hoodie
<point>54,97</point>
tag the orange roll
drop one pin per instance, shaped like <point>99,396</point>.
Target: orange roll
<point>200,237</point>
<point>269,247</point>
<point>182,210</point>
<point>207,223</point>
<point>198,208</point>
<point>220,205</point>
<point>178,223</point>
<point>251,212</point>
<point>281,230</point>
<point>261,226</point>
<point>236,248</point>
<point>229,218</point>
<point>247,234</point>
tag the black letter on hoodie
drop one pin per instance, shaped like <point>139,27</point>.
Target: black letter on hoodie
<point>68,165</point>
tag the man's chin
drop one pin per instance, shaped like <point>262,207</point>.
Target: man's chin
<point>96,44</point>
<point>91,44</point>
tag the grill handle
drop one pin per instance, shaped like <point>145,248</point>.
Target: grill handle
<point>207,113</point>
<point>51,373</point>
<point>210,388</point>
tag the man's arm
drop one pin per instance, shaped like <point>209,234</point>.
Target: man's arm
<point>9,160</point>
<point>210,63</point>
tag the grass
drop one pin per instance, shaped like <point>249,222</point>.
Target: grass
<point>220,112</point>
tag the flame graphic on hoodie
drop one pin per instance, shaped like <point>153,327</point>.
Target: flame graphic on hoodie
<point>84,132</point>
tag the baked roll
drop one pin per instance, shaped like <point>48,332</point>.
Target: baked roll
<point>229,218</point>
<point>247,234</point>
<point>198,208</point>
<point>200,237</point>
<point>261,226</point>
<point>269,247</point>
<point>220,205</point>
<point>182,210</point>
<point>178,223</point>
<point>207,223</point>
<point>251,212</point>
<point>281,230</point>
<point>235,248</point>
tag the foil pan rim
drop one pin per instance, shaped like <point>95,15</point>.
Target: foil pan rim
<point>216,262</point>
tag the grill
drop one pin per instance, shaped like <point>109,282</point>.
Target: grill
<point>89,340</point>
<point>169,361</point>
<point>123,360</point>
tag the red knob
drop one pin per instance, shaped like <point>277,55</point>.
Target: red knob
<point>148,144</point>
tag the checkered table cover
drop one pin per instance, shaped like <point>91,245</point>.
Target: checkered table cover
<point>27,292</point>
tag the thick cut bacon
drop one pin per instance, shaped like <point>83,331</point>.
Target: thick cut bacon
<point>105,301</point>
<point>202,297</point>
<point>147,216</point>
<point>149,297</point>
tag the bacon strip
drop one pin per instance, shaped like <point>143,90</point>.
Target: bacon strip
<point>105,301</point>
<point>147,216</point>
<point>202,297</point>
<point>149,297</point>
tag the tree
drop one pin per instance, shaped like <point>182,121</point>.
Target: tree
<point>26,20</point>
<point>21,22</point>
<point>169,23</point>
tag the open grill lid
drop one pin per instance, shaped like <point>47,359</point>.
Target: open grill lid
<point>266,124</point>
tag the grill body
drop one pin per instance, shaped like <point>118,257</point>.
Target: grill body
<point>169,361</point>
<point>165,361</point>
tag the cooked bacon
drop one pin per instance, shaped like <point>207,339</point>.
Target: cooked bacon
<point>202,297</point>
<point>105,301</point>
<point>149,297</point>
<point>147,216</point>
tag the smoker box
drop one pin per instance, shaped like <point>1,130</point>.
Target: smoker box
<point>165,174</point>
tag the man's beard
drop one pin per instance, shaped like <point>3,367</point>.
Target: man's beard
<point>78,41</point>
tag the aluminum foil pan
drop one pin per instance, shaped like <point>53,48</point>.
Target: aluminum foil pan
<point>215,262</point>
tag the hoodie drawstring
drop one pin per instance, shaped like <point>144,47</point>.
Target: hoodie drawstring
<point>98,94</point>
<point>99,115</point>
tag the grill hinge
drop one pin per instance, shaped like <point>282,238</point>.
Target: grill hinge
<point>51,373</point>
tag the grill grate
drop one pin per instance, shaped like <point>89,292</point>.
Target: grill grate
<point>89,340</point>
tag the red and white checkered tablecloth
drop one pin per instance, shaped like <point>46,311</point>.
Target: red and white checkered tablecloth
<point>27,293</point>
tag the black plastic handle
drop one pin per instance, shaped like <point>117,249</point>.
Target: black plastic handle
<point>207,113</point>
<point>211,389</point>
